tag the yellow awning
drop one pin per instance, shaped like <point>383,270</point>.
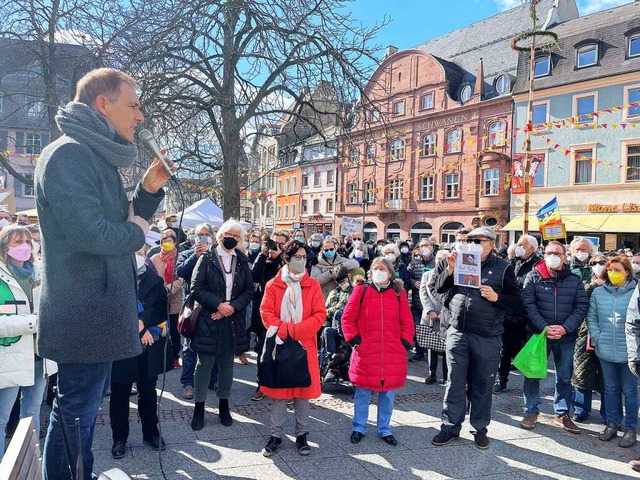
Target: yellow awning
<point>31,213</point>
<point>622,223</point>
<point>593,222</point>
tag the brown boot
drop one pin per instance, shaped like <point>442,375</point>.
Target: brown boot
<point>635,465</point>
<point>529,421</point>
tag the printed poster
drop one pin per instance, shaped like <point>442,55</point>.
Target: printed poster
<point>468,268</point>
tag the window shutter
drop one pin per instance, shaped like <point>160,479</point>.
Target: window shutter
<point>20,142</point>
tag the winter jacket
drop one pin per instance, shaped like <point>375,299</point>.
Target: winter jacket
<point>305,332</point>
<point>322,272</point>
<point>416,268</point>
<point>559,300</point>
<point>184,268</point>
<point>587,372</point>
<point>17,329</point>
<point>209,289</point>
<point>521,268</point>
<point>335,303</point>
<point>380,326</point>
<point>582,270</point>
<point>632,327</point>
<point>470,312</point>
<point>606,320</point>
<point>175,288</point>
<point>264,269</point>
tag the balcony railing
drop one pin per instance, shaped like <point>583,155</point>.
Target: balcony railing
<point>399,205</point>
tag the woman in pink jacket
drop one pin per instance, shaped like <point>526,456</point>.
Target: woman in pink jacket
<point>377,322</point>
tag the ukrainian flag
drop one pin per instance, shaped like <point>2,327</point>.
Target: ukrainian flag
<point>549,214</point>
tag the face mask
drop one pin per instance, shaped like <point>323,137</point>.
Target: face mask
<point>21,252</point>
<point>168,247</point>
<point>192,238</point>
<point>380,277</point>
<point>552,261</point>
<point>636,267</point>
<point>297,266</point>
<point>358,254</point>
<point>426,251</point>
<point>245,245</point>
<point>204,239</point>
<point>345,285</point>
<point>391,257</point>
<point>519,251</point>
<point>4,222</point>
<point>597,270</point>
<point>315,244</point>
<point>329,254</point>
<point>404,250</point>
<point>229,243</point>
<point>36,247</point>
<point>140,264</point>
<point>616,278</point>
<point>301,240</point>
<point>253,246</point>
<point>582,256</point>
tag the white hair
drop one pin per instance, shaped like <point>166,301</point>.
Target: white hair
<point>396,250</point>
<point>359,245</point>
<point>511,248</point>
<point>230,225</point>
<point>531,241</point>
<point>574,243</point>
<point>442,254</point>
<point>206,226</point>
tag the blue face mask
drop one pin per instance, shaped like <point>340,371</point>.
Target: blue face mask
<point>329,254</point>
<point>301,240</point>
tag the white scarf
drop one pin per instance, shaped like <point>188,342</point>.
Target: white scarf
<point>291,307</point>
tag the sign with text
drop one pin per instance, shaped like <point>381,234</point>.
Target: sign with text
<point>467,272</point>
<point>610,241</point>
<point>351,225</point>
<point>553,232</point>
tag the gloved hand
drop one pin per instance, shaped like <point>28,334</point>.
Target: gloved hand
<point>406,344</point>
<point>355,341</point>
<point>633,366</point>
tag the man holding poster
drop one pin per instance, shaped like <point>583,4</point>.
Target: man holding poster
<point>477,303</point>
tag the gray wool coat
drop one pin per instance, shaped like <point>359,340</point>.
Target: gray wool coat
<point>88,304</point>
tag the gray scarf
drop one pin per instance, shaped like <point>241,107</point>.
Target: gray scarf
<point>85,125</point>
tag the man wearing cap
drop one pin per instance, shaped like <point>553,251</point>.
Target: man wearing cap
<point>474,337</point>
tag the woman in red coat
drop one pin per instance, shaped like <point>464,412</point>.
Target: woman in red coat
<point>378,324</point>
<point>293,305</point>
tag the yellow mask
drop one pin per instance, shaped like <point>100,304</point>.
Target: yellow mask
<point>616,278</point>
<point>168,247</point>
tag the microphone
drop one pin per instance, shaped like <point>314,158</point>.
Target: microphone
<point>150,144</point>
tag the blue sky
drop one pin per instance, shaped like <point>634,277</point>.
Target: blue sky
<point>416,21</point>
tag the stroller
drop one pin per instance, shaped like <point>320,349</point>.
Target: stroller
<point>334,367</point>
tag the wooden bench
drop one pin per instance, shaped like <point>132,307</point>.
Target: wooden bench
<point>22,460</point>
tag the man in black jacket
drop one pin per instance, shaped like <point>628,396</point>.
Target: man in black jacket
<point>474,336</point>
<point>554,298</point>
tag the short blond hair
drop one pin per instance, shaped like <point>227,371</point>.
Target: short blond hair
<point>101,81</point>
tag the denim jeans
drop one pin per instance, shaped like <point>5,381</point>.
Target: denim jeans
<point>619,379</point>
<point>330,334</point>
<point>189,359</point>
<point>29,404</point>
<point>361,402</point>
<point>562,399</point>
<point>80,388</point>
<point>582,398</point>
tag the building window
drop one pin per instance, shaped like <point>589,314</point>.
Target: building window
<point>294,184</point>
<point>305,206</point>
<point>633,163</point>
<point>542,66</point>
<point>634,45</point>
<point>633,96</point>
<point>427,101</point>
<point>503,84</point>
<point>293,211</point>
<point>587,55</point>
<point>286,186</point>
<point>491,181</point>
<point>369,193</point>
<point>316,206</point>
<point>536,170</point>
<point>451,185</point>
<point>35,109</point>
<point>305,181</point>
<point>316,179</point>
<point>371,152</point>
<point>29,190</point>
<point>465,93</point>
<point>497,132</point>
<point>279,189</point>
<point>279,211</point>
<point>426,188</point>
<point>396,149</point>
<point>353,194</point>
<point>584,166</point>
<point>395,189</point>
<point>329,205</point>
<point>270,210</point>
<point>330,177</point>
<point>398,108</point>
<point>428,144</point>
<point>374,116</point>
<point>540,114</point>
<point>583,107</point>
<point>286,211</point>
<point>354,156</point>
<point>453,141</point>
<point>33,144</point>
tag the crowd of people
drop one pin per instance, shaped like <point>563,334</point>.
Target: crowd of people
<point>92,301</point>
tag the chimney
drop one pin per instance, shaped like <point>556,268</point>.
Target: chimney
<point>389,51</point>
<point>479,86</point>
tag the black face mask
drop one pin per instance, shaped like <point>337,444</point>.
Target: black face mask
<point>229,243</point>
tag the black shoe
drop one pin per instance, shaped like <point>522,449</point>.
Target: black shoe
<point>443,382</point>
<point>443,437</point>
<point>197,422</point>
<point>481,440</point>
<point>303,446</point>
<point>390,440</point>
<point>119,450</point>
<point>356,437</point>
<point>580,417</point>
<point>416,357</point>
<point>272,446</point>
<point>155,442</point>
<point>431,379</point>
<point>499,387</point>
<point>223,412</point>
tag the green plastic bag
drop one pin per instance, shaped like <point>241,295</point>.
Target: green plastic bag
<point>532,359</point>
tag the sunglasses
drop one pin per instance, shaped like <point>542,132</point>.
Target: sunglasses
<point>599,262</point>
<point>329,249</point>
<point>477,241</point>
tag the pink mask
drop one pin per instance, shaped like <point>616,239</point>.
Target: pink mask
<point>21,252</point>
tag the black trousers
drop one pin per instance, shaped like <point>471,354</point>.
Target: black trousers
<point>176,344</point>
<point>433,363</point>
<point>513,339</point>
<point>119,409</point>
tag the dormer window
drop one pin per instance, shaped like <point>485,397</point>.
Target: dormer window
<point>633,42</point>
<point>465,93</point>
<point>503,84</point>
<point>542,66</point>
<point>587,55</point>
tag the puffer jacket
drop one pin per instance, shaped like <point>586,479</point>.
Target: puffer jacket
<point>322,272</point>
<point>416,268</point>
<point>632,327</point>
<point>17,329</point>
<point>606,320</point>
<point>175,292</point>
<point>380,325</point>
<point>560,300</point>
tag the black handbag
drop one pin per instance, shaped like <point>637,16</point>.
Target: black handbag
<point>428,338</point>
<point>284,365</point>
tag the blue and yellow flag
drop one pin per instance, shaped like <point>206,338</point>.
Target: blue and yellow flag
<point>549,214</point>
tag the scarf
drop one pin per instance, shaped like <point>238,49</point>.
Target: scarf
<point>26,271</point>
<point>291,307</point>
<point>169,265</point>
<point>84,124</point>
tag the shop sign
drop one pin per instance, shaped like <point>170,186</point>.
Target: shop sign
<point>619,208</point>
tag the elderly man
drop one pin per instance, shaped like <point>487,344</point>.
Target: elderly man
<point>329,259</point>
<point>581,251</point>
<point>5,217</point>
<point>474,337</point>
<point>88,315</point>
<point>554,297</point>
<point>515,322</point>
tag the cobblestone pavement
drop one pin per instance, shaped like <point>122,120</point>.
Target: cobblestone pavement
<point>546,452</point>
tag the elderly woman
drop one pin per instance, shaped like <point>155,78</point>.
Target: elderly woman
<point>392,253</point>
<point>377,322</point>
<point>293,306</point>
<point>21,367</point>
<point>222,284</point>
<point>360,253</point>
<point>165,263</point>
<point>329,259</point>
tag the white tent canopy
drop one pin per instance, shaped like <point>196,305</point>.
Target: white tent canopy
<point>204,211</point>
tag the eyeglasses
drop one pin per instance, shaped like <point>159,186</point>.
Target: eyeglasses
<point>237,237</point>
<point>477,241</point>
<point>599,262</point>
<point>559,254</point>
<point>300,257</point>
<point>329,249</point>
